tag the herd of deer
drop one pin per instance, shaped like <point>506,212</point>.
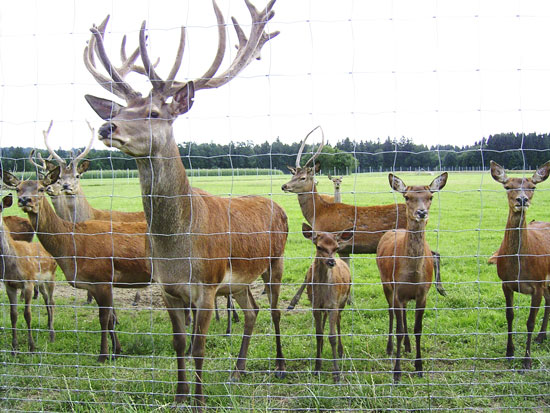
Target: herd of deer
<point>209,245</point>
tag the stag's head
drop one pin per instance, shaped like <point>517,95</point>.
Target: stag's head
<point>144,126</point>
<point>327,243</point>
<point>303,177</point>
<point>519,190</point>
<point>69,175</point>
<point>418,198</point>
<point>30,193</point>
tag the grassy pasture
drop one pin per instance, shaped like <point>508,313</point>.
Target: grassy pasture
<point>463,343</point>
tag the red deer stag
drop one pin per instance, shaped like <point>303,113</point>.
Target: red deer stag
<point>24,265</point>
<point>206,244</point>
<point>71,203</point>
<point>406,265</point>
<point>369,222</point>
<point>93,255</point>
<point>523,259</point>
<point>328,288</point>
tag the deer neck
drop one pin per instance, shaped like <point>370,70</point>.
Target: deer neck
<point>311,204</point>
<point>515,236</point>
<point>78,207</point>
<point>415,240</point>
<point>165,191</point>
<point>321,272</point>
<point>53,232</point>
<point>60,206</point>
<point>337,196</point>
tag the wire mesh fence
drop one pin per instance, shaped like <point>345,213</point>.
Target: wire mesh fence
<point>194,291</point>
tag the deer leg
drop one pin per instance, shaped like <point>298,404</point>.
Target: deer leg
<point>104,298</point>
<point>231,311</point>
<point>340,346</point>
<point>345,256</point>
<point>437,271</point>
<point>542,335</point>
<point>536,299</point>
<point>177,318</point>
<point>334,339</point>
<point>35,296</point>
<point>216,309</point>
<point>406,338</point>
<point>47,294</point>
<point>234,309</point>
<point>248,304</point>
<point>204,310</point>
<point>298,295</point>
<point>319,330</point>
<point>419,315</point>
<point>509,297</point>
<point>273,286</point>
<point>137,298</point>
<point>389,346</point>
<point>29,289</point>
<point>89,297</point>
<point>12,297</point>
<point>399,332</point>
<point>193,315</point>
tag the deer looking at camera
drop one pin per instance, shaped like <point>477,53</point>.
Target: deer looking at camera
<point>24,265</point>
<point>337,182</point>
<point>523,259</point>
<point>206,245</point>
<point>406,265</point>
<point>369,222</point>
<point>328,288</point>
<point>93,255</point>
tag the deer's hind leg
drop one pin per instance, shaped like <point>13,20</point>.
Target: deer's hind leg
<point>272,279</point>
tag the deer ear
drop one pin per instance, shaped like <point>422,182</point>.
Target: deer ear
<point>182,101</point>
<point>52,176</point>
<point>9,180</point>
<point>498,173</point>
<point>542,173</point>
<point>346,235</point>
<point>106,109</point>
<point>7,202</point>
<point>292,170</point>
<point>439,182</point>
<point>83,166</point>
<point>397,184</point>
<point>307,232</point>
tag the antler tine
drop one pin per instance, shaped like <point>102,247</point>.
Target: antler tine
<point>77,159</point>
<point>58,158</point>
<point>31,160</point>
<point>116,84</point>
<point>247,50</point>
<point>177,62</point>
<point>154,78</point>
<point>310,160</point>
<point>128,64</point>
<point>299,156</point>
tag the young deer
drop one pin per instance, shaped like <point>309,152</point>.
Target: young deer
<point>24,264</point>
<point>328,288</point>
<point>523,260</point>
<point>369,222</point>
<point>93,255</point>
<point>406,265</point>
<point>206,244</point>
<point>337,182</point>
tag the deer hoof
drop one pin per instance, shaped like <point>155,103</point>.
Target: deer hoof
<point>280,374</point>
<point>396,377</point>
<point>540,338</point>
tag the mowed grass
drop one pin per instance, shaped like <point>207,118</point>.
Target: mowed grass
<point>463,342</point>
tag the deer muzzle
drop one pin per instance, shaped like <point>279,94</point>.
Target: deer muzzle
<point>106,130</point>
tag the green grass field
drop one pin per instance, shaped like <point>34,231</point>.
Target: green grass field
<point>463,343</point>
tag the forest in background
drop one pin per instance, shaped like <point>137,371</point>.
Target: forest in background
<point>512,150</point>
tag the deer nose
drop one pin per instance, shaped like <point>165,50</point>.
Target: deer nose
<point>422,213</point>
<point>284,187</point>
<point>331,262</point>
<point>522,200</point>
<point>23,200</point>
<point>106,130</point>
<point>66,186</point>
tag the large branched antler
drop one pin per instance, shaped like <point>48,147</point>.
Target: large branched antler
<point>310,160</point>
<point>81,155</point>
<point>58,158</point>
<point>247,50</point>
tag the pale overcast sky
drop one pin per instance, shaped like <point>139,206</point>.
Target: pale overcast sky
<point>437,71</point>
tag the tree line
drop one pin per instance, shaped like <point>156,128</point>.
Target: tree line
<point>513,150</point>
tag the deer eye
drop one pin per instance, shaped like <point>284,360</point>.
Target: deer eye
<point>154,114</point>
<point>406,197</point>
<point>78,176</point>
<point>41,189</point>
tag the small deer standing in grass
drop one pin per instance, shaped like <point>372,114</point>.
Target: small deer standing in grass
<point>406,266</point>
<point>337,182</point>
<point>24,264</point>
<point>328,288</point>
<point>523,260</point>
